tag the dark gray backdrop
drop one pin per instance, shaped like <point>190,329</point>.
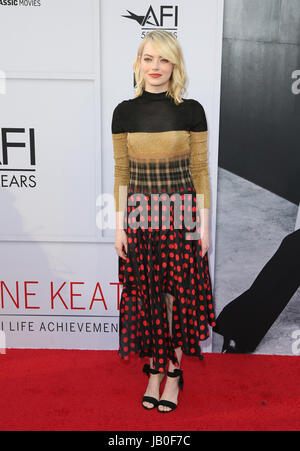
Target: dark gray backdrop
<point>259,158</point>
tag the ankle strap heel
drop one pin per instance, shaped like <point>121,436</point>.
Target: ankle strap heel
<point>165,402</point>
<point>148,370</point>
<point>175,373</point>
<point>150,399</point>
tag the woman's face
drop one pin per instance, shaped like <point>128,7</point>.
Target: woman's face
<point>152,63</point>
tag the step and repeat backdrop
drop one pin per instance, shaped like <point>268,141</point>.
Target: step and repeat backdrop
<point>64,66</point>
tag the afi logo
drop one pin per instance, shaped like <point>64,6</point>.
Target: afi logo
<point>8,144</point>
<point>166,16</point>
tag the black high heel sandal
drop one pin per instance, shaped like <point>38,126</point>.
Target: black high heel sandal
<point>154,401</point>
<point>164,402</point>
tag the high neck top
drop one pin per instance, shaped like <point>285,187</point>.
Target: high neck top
<point>154,95</point>
<point>160,146</point>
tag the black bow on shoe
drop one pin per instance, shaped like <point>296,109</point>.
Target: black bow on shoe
<point>146,369</point>
<point>177,372</point>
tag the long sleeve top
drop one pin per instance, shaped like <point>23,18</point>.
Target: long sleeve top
<point>159,146</point>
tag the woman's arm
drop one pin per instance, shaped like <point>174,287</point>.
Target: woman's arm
<point>199,169</point>
<point>121,179</point>
<point>121,172</point>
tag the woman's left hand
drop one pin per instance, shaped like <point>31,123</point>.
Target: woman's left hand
<point>204,242</point>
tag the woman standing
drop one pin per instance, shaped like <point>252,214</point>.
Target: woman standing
<point>161,184</point>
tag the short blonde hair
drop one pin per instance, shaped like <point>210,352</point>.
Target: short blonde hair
<point>168,47</point>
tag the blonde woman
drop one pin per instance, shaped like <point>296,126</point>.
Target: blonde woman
<point>161,176</point>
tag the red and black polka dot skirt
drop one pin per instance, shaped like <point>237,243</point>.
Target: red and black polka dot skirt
<point>164,256</point>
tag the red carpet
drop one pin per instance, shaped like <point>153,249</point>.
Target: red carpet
<point>95,390</point>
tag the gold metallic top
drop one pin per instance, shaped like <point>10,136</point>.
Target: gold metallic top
<point>144,150</point>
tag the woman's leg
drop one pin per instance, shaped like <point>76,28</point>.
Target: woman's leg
<point>153,385</point>
<point>171,388</point>
<point>169,303</point>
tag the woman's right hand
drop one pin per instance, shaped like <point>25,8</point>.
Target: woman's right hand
<point>120,243</point>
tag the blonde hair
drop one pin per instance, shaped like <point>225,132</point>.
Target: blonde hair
<point>168,47</point>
